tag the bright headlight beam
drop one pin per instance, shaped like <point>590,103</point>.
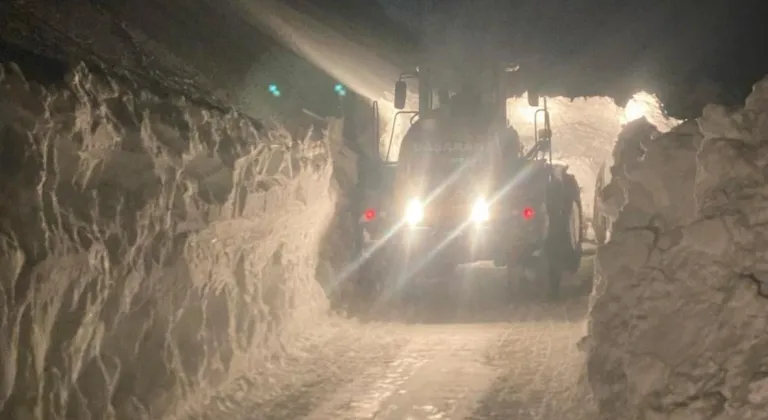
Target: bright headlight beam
<point>480,211</point>
<point>414,211</point>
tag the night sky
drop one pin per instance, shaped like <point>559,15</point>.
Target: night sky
<point>594,45</point>
<point>675,48</point>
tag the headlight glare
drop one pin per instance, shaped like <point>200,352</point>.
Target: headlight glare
<point>414,212</point>
<point>481,211</point>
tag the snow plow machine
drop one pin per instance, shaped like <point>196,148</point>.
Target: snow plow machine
<point>464,189</point>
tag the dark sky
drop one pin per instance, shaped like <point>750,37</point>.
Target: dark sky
<point>585,47</point>
<point>656,43</point>
<point>703,29</point>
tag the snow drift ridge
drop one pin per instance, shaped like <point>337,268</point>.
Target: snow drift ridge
<point>678,324</point>
<point>150,250</point>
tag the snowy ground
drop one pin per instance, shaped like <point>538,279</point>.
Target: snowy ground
<point>460,348</point>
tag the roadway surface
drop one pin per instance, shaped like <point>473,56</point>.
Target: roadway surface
<point>456,348</point>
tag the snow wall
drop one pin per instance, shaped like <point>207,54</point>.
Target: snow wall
<point>678,326</point>
<point>150,251</point>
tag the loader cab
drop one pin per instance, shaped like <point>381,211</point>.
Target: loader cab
<point>466,105</point>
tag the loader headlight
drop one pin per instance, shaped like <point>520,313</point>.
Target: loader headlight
<point>414,212</point>
<point>481,211</point>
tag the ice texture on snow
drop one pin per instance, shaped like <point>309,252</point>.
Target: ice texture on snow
<point>150,251</point>
<point>677,322</point>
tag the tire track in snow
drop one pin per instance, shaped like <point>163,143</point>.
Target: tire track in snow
<point>527,368</point>
<point>441,370</point>
<point>291,387</point>
<point>522,366</point>
<point>540,370</point>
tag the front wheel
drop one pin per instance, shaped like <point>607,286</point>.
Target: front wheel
<point>572,225</point>
<point>563,245</point>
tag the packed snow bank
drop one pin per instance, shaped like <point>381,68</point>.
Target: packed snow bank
<point>150,250</point>
<point>677,324</point>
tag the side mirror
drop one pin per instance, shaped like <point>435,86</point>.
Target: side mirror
<point>533,97</point>
<point>401,91</point>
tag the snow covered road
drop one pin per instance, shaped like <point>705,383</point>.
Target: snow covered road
<point>461,349</point>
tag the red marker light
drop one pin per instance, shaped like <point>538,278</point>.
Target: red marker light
<point>369,215</point>
<point>528,213</point>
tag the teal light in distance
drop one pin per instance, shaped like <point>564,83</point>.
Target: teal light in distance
<point>274,90</point>
<point>340,89</point>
